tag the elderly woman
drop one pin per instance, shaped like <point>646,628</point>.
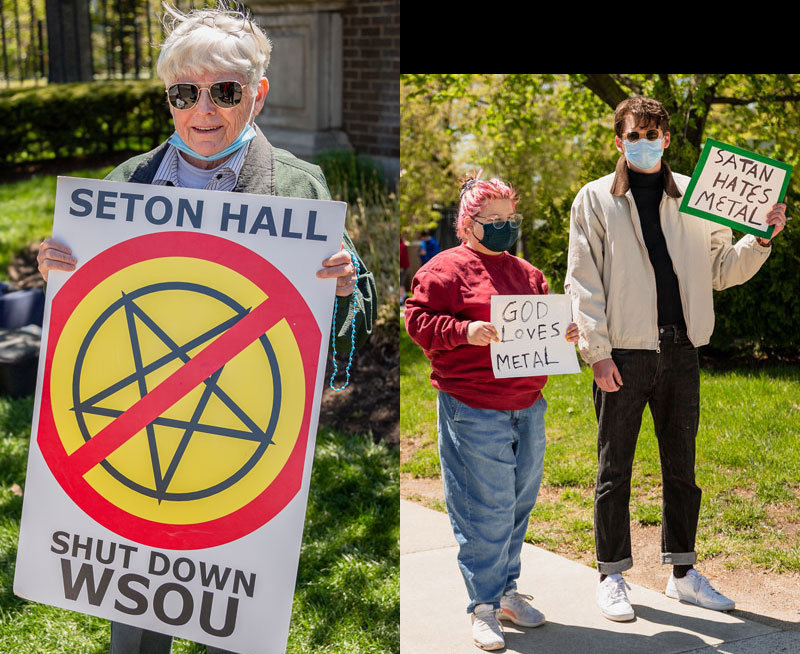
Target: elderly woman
<point>213,63</point>
<point>491,431</point>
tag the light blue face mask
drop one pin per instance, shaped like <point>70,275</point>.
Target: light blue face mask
<point>247,134</point>
<point>643,154</point>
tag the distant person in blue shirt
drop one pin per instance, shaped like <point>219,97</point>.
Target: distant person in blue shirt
<point>429,247</point>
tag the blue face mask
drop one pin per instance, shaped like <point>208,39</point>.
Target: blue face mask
<point>643,154</point>
<point>247,134</point>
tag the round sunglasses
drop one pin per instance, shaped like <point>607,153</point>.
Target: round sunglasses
<point>226,95</point>
<point>650,135</point>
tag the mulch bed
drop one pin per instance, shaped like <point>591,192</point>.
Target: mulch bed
<point>24,269</point>
<point>371,401</point>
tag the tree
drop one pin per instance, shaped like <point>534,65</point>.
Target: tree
<point>693,102</point>
<point>549,134</point>
<point>427,145</point>
<point>512,126</point>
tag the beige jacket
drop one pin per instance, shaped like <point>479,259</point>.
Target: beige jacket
<point>611,280</point>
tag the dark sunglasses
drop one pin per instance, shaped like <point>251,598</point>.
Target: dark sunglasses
<point>226,95</point>
<point>650,135</point>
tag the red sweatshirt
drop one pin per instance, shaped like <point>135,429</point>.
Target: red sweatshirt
<point>452,290</point>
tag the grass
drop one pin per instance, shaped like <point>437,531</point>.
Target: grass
<point>27,213</point>
<point>417,409</point>
<point>348,585</point>
<point>748,461</point>
<point>347,597</point>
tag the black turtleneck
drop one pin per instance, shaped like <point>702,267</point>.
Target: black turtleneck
<point>647,189</point>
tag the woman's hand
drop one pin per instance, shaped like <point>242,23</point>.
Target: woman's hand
<point>481,333</point>
<point>340,266</point>
<point>54,255</point>
<point>572,333</point>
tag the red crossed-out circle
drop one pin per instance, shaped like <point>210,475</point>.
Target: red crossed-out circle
<point>284,302</point>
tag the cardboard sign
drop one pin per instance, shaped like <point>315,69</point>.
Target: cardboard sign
<point>735,187</point>
<point>532,332</point>
<point>176,409</point>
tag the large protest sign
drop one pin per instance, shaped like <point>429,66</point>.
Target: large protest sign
<point>531,331</point>
<point>735,187</point>
<point>176,409</point>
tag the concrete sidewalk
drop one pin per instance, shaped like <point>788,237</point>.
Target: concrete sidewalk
<point>433,602</point>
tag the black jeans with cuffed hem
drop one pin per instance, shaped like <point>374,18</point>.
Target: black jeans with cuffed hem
<point>668,381</point>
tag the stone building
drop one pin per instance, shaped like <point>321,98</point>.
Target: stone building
<point>334,77</point>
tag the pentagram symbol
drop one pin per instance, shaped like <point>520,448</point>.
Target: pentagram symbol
<point>178,389</point>
<point>91,405</point>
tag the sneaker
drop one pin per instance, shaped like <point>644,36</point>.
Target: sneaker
<point>514,607</point>
<point>486,630</point>
<point>694,588</point>
<point>613,600</point>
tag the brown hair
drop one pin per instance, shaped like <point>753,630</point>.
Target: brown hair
<point>644,111</point>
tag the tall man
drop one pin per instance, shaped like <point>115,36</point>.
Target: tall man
<point>641,275</point>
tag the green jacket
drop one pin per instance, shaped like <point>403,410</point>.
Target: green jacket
<point>272,171</point>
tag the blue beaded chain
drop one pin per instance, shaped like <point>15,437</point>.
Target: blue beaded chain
<point>354,259</point>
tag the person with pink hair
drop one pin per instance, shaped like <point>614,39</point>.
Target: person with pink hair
<point>491,431</point>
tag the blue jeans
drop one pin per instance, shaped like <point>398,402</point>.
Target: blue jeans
<point>491,470</point>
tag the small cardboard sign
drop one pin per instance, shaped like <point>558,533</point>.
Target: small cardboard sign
<point>736,187</point>
<point>532,331</point>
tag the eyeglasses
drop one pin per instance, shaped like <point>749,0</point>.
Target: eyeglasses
<point>226,95</point>
<point>497,221</point>
<point>650,135</point>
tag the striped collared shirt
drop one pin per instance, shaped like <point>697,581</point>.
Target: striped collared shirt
<point>223,180</point>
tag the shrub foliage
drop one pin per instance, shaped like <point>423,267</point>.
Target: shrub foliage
<point>372,224</point>
<point>549,134</point>
<point>762,315</point>
<point>69,120</point>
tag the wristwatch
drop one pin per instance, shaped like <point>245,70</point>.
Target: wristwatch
<point>764,243</point>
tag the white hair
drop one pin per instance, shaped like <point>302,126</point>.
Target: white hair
<point>225,39</point>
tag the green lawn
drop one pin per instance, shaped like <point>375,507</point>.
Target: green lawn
<point>27,213</point>
<point>348,587</point>
<point>748,461</point>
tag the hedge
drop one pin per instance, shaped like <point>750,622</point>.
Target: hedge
<point>69,120</point>
<point>762,315</point>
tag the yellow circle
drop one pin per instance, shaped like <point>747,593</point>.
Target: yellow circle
<point>208,459</point>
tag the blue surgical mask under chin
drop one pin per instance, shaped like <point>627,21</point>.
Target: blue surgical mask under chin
<point>247,134</point>
<point>643,154</point>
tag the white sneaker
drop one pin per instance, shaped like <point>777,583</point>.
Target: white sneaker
<point>613,600</point>
<point>694,588</point>
<point>487,633</point>
<point>514,607</point>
